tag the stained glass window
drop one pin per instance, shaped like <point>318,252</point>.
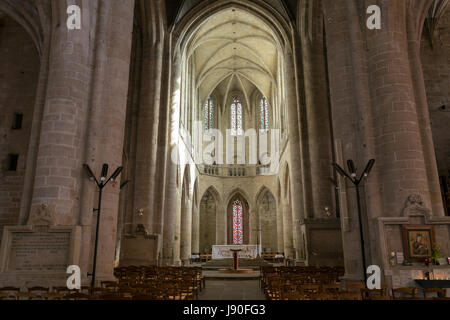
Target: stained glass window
<point>238,230</point>
<point>236,118</point>
<point>264,115</point>
<point>209,114</point>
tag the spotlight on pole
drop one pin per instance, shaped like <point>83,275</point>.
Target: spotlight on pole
<point>100,185</point>
<point>357,182</point>
<point>90,173</point>
<point>351,168</point>
<point>116,173</point>
<point>369,168</point>
<point>341,171</point>
<point>104,172</point>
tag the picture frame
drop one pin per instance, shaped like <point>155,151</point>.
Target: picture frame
<point>418,242</point>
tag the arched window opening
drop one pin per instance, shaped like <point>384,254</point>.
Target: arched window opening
<point>238,232</point>
<point>264,115</point>
<point>236,118</point>
<point>209,115</point>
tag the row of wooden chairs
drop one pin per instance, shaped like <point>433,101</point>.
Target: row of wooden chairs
<point>144,283</point>
<point>300,275</point>
<point>352,291</point>
<point>162,283</point>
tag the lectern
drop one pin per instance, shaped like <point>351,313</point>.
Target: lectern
<point>236,258</point>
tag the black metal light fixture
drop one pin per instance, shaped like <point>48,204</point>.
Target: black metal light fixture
<point>353,177</point>
<point>100,185</point>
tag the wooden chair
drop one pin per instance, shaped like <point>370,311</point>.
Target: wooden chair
<point>54,296</point>
<point>38,293</point>
<point>310,291</point>
<point>350,296</point>
<point>404,293</point>
<point>77,296</point>
<point>354,286</point>
<point>8,296</point>
<point>110,285</point>
<point>372,294</point>
<point>9,293</point>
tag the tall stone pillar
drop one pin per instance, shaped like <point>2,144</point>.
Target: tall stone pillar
<point>254,225</point>
<point>170,242</point>
<point>186,231</point>
<point>280,228</point>
<point>107,121</point>
<point>401,165</point>
<point>195,228</point>
<point>288,231</point>
<point>414,45</point>
<point>295,164</point>
<point>149,113</point>
<point>317,113</point>
<point>221,224</point>
<point>352,123</point>
<point>83,122</point>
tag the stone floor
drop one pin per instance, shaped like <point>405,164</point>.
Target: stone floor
<point>232,290</point>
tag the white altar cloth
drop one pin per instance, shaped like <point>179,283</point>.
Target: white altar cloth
<point>223,252</point>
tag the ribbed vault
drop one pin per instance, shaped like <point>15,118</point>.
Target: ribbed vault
<point>234,51</point>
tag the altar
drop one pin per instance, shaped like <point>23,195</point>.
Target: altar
<point>224,252</point>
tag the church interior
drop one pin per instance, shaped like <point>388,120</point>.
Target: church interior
<point>224,150</point>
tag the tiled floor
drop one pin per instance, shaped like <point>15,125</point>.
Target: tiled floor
<point>232,290</point>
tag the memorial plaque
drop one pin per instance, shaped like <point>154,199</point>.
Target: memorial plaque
<point>39,251</point>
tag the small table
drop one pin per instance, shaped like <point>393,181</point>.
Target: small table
<point>429,284</point>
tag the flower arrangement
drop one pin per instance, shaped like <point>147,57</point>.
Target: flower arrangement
<point>436,254</point>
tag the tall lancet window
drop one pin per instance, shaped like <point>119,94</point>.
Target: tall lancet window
<point>264,115</point>
<point>209,114</point>
<point>238,230</point>
<point>236,118</point>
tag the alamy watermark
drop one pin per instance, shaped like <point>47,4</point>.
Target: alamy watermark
<point>213,147</point>
<point>74,17</point>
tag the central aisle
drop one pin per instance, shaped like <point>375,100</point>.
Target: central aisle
<point>232,290</point>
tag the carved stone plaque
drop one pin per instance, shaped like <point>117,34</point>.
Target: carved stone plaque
<point>39,251</point>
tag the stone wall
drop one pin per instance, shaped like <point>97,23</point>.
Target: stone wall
<point>267,210</point>
<point>436,68</point>
<point>19,69</point>
<point>207,228</point>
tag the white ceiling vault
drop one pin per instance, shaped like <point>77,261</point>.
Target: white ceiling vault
<point>234,51</point>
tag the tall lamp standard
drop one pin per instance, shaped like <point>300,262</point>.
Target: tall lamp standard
<point>353,177</point>
<point>100,185</point>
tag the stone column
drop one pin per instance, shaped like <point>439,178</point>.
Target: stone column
<point>280,228</point>
<point>149,112</point>
<point>221,224</point>
<point>401,165</point>
<point>287,231</point>
<point>423,111</point>
<point>254,225</point>
<point>352,122</point>
<point>83,122</point>
<point>195,228</point>
<point>170,200</point>
<point>186,231</point>
<point>295,164</point>
<point>61,144</point>
<point>317,115</point>
<point>107,122</point>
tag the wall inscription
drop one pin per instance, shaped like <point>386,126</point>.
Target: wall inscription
<point>39,251</point>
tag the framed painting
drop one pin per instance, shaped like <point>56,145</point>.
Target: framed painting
<point>418,242</point>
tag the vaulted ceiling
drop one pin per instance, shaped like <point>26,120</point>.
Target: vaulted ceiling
<point>234,51</point>
<point>176,9</point>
